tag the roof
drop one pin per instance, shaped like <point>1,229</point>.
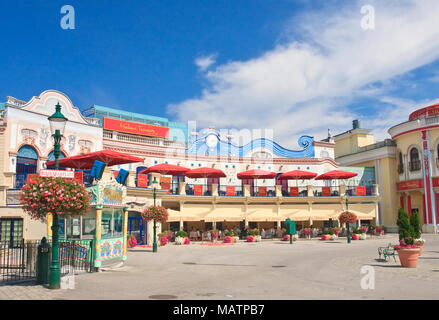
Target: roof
<point>131,115</point>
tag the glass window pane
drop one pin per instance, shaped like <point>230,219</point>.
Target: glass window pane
<point>107,215</point>
<point>118,220</point>
<point>89,224</point>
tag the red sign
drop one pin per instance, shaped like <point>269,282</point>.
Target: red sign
<point>294,191</point>
<point>198,189</point>
<point>142,180</point>
<point>361,191</point>
<point>115,173</point>
<point>78,176</point>
<point>410,184</point>
<point>262,191</point>
<point>230,191</point>
<point>326,191</point>
<point>429,111</point>
<point>57,173</point>
<point>136,128</point>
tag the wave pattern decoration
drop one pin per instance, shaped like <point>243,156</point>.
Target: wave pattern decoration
<point>199,147</point>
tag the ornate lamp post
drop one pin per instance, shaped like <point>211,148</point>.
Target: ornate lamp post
<point>57,125</point>
<point>347,223</point>
<point>154,244</point>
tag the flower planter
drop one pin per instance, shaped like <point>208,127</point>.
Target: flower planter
<point>179,240</point>
<point>363,236</point>
<point>408,257</point>
<point>326,237</point>
<point>420,246</point>
<point>227,239</point>
<point>355,236</point>
<point>236,239</point>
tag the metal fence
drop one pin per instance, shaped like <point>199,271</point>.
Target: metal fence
<point>18,259</point>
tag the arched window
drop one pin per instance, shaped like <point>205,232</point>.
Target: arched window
<point>400,163</point>
<point>415,163</point>
<point>27,161</point>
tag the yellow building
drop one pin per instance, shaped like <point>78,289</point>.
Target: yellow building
<point>406,166</point>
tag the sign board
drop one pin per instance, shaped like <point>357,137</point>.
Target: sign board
<point>294,191</point>
<point>57,173</point>
<point>142,180</point>
<point>262,191</point>
<point>361,191</point>
<point>198,189</point>
<point>326,191</point>
<point>136,128</point>
<point>230,191</point>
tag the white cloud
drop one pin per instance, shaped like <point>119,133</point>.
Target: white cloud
<point>305,87</point>
<point>204,62</point>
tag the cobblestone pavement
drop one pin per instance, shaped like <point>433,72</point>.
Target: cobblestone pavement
<point>308,269</point>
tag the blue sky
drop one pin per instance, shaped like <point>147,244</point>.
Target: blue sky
<point>298,67</point>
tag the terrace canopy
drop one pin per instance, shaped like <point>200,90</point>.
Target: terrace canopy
<point>85,161</point>
<point>297,175</point>
<point>336,175</point>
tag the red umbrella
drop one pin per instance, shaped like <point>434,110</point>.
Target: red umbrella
<point>298,175</point>
<point>85,161</point>
<point>166,169</point>
<point>205,172</point>
<point>336,174</point>
<point>256,174</point>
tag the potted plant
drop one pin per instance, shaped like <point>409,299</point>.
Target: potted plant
<point>327,234</point>
<point>235,236</point>
<point>408,253</point>
<point>214,235</point>
<point>131,241</point>
<point>180,237</point>
<point>416,226</point>
<point>307,232</point>
<point>227,239</point>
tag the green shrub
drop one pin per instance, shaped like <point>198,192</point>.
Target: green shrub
<point>228,234</point>
<point>181,234</point>
<point>235,233</point>
<point>328,231</point>
<point>358,231</point>
<point>405,229</point>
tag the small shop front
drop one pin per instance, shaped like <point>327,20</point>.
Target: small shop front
<point>101,233</point>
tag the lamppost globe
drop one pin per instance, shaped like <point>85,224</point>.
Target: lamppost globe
<point>57,123</point>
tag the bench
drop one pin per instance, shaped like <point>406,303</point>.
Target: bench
<point>387,252</point>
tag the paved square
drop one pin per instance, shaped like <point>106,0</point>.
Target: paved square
<point>308,269</point>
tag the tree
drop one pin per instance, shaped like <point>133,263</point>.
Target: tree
<point>416,225</point>
<point>405,229</point>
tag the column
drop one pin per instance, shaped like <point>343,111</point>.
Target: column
<point>182,187</point>
<point>125,231</point>
<point>246,190</point>
<point>409,204</point>
<point>49,226</point>
<point>278,190</point>
<point>310,191</point>
<point>215,189</point>
<point>181,225</point>
<point>98,233</point>
<point>342,189</point>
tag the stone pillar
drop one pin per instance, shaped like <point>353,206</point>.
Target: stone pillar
<point>125,232</point>
<point>342,190</point>
<point>278,190</point>
<point>215,190</point>
<point>310,191</point>
<point>98,233</point>
<point>182,187</point>
<point>376,190</point>
<point>214,225</point>
<point>278,224</point>
<point>49,226</point>
<point>246,190</point>
<point>181,226</point>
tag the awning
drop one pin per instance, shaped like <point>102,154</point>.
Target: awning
<point>297,175</point>
<point>262,214</point>
<point>256,174</point>
<point>205,172</point>
<point>336,174</point>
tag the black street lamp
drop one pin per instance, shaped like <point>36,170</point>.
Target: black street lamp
<point>154,244</point>
<point>57,125</point>
<point>347,223</point>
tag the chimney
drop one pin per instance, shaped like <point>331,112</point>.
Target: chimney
<point>356,124</point>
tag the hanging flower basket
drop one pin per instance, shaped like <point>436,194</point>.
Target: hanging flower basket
<point>58,196</point>
<point>156,213</point>
<point>347,217</point>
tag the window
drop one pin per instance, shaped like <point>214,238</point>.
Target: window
<point>28,132</point>
<point>89,224</point>
<point>85,143</point>
<point>415,163</point>
<point>112,220</point>
<point>400,163</point>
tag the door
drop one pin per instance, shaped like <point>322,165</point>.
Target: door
<point>138,228</point>
<point>11,230</point>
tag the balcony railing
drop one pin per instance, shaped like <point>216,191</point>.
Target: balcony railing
<point>415,165</point>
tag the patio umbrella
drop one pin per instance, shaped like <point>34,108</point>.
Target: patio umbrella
<point>256,174</point>
<point>336,175</point>
<point>297,175</point>
<point>166,169</point>
<point>85,161</point>
<point>205,172</point>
